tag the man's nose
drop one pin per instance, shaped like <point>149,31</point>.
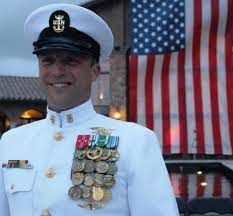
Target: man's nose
<point>59,69</point>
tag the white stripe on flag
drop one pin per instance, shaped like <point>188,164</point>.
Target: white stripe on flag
<point>192,186</point>
<point>209,179</point>
<point>226,187</point>
<point>189,78</point>
<point>174,113</point>
<point>157,98</point>
<point>222,96</point>
<point>141,90</point>
<point>204,57</point>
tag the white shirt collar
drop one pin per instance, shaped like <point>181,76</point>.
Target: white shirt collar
<point>71,117</point>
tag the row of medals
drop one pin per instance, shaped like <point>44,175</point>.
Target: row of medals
<point>92,176</point>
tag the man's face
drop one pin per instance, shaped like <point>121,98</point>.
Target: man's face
<point>66,78</point>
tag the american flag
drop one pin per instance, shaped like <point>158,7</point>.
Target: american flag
<point>183,89</point>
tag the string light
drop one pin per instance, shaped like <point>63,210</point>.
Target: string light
<point>117,115</point>
<point>118,112</point>
<point>203,184</point>
<point>101,96</point>
<point>199,172</point>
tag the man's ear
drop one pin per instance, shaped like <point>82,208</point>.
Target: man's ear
<point>95,71</point>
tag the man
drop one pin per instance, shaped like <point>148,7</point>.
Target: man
<point>77,162</point>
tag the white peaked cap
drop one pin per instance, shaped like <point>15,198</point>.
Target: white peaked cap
<point>80,18</point>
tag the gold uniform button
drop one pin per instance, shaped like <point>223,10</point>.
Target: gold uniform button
<point>50,173</point>
<point>58,136</point>
<point>45,213</point>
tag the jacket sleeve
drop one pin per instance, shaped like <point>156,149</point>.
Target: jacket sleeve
<point>149,188</point>
<point>4,208</point>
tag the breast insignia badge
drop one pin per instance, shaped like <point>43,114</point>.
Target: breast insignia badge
<point>94,167</point>
<point>102,130</point>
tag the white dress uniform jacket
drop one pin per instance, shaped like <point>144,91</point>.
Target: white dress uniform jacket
<point>142,182</point>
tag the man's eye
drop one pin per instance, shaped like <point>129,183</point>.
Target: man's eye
<point>71,62</point>
<point>47,61</point>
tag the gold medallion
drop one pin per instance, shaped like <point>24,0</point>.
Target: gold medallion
<point>106,154</point>
<point>79,165</point>
<point>77,178</point>
<point>97,193</point>
<point>87,192</point>
<point>88,179</point>
<point>109,181</point>
<point>98,180</point>
<point>115,155</point>
<point>102,167</point>
<point>112,169</point>
<point>81,154</point>
<point>75,193</point>
<point>89,166</point>
<point>94,153</point>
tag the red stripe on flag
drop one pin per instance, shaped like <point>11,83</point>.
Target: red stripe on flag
<point>229,69</point>
<point>213,80</point>
<point>133,70</point>
<point>197,76</point>
<point>200,187</point>
<point>166,124</point>
<point>184,187</point>
<point>217,190</point>
<point>182,103</point>
<point>149,92</point>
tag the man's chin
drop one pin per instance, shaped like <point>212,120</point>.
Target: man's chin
<point>58,105</point>
<point>64,102</point>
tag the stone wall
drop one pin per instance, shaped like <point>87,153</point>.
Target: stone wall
<point>118,79</point>
<point>116,14</point>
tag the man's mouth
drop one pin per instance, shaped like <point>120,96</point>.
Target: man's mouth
<point>60,85</point>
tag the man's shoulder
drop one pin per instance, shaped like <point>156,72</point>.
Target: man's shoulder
<point>23,130</point>
<point>15,141</point>
<point>124,125</point>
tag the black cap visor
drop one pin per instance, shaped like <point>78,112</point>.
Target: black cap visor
<point>55,47</point>
<point>59,43</point>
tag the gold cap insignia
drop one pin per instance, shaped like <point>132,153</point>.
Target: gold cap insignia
<point>59,21</point>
